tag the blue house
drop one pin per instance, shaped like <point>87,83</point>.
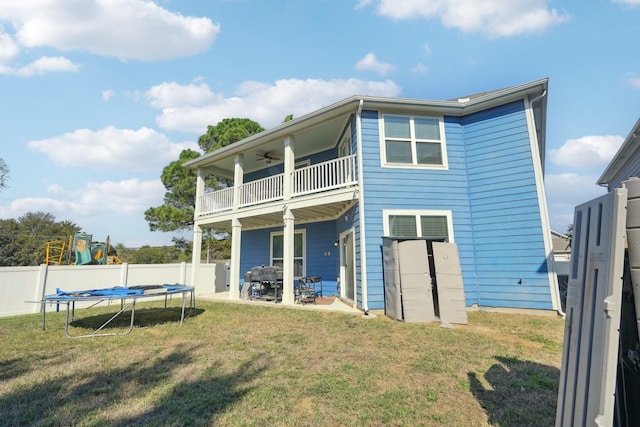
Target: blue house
<point>625,164</point>
<point>317,194</point>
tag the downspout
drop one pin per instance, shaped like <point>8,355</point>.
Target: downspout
<point>537,98</point>
<point>548,226</point>
<point>363,251</point>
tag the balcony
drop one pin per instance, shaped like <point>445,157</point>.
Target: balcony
<point>318,178</point>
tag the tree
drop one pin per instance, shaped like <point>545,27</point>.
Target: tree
<point>8,242</point>
<point>23,241</point>
<point>154,255</point>
<point>227,132</point>
<point>179,200</point>
<point>4,174</point>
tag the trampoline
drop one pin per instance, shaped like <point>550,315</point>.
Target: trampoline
<point>127,296</point>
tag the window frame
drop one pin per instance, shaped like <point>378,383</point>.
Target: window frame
<point>344,146</point>
<point>413,141</point>
<point>304,250</point>
<point>417,213</point>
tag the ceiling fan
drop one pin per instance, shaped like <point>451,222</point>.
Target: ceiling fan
<point>268,157</point>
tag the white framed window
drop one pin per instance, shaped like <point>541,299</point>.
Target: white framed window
<point>430,224</point>
<point>413,141</point>
<point>299,251</point>
<point>344,147</point>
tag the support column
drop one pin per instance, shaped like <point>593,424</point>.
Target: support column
<point>197,231</point>
<point>197,253</point>
<point>287,254</point>
<point>289,167</point>
<point>199,191</point>
<point>234,269</point>
<point>238,178</point>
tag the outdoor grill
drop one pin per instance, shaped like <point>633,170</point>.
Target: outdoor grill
<point>265,282</point>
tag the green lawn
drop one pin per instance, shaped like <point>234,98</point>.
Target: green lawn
<point>250,365</point>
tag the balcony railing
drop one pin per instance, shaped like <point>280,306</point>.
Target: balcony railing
<point>261,190</point>
<point>329,175</point>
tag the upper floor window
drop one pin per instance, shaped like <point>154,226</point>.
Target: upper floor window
<point>413,141</point>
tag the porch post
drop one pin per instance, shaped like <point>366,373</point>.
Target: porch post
<point>199,191</point>
<point>289,166</point>
<point>287,254</point>
<point>234,269</point>
<point>196,254</point>
<point>238,176</point>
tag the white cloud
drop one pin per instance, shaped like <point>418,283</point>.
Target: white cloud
<point>426,49</point>
<point>107,95</point>
<point>362,3</point>
<point>587,152</point>
<point>370,62</point>
<point>494,18</point>
<point>565,192</point>
<point>126,29</point>
<point>46,64</point>
<point>628,2</point>
<point>41,66</point>
<point>171,95</point>
<point>129,197</point>
<point>111,149</point>
<point>420,68</point>
<point>192,108</point>
<point>634,82</point>
<point>8,48</point>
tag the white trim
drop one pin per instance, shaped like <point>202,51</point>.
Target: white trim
<point>544,212</point>
<point>414,164</point>
<point>418,213</point>
<point>302,231</point>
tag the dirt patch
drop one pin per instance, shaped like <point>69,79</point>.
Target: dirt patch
<point>325,300</point>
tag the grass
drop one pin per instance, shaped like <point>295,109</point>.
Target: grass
<point>244,365</point>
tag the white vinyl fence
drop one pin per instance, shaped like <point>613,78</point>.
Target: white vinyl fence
<point>21,288</point>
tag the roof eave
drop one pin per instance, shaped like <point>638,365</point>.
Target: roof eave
<point>462,106</point>
<point>626,152</point>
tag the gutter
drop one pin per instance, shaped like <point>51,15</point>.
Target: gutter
<point>361,219</point>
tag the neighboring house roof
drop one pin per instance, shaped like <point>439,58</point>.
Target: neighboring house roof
<point>629,151</point>
<point>561,242</point>
<point>330,120</point>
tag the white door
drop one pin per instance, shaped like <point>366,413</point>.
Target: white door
<point>347,263</point>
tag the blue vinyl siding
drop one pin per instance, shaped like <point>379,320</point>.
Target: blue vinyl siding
<point>423,189</point>
<point>490,189</point>
<point>510,257</point>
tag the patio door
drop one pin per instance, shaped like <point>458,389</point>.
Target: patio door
<point>347,266</point>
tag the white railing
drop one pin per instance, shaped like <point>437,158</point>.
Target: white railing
<point>323,176</point>
<point>261,190</point>
<point>217,201</point>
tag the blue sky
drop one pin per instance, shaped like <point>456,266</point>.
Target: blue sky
<point>97,97</point>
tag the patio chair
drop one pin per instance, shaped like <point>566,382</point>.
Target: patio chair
<point>304,293</point>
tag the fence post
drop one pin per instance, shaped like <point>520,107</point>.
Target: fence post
<point>183,273</point>
<point>124,275</point>
<point>41,287</point>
